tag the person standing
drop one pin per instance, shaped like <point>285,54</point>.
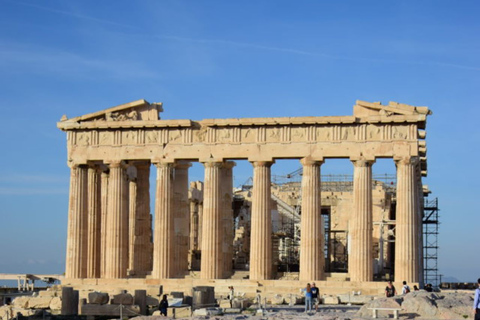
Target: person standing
<point>163,305</point>
<point>476,302</point>
<point>405,288</point>
<point>390,290</point>
<point>308,298</point>
<point>231,295</point>
<point>315,293</point>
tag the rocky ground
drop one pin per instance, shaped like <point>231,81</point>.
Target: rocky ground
<point>415,305</point>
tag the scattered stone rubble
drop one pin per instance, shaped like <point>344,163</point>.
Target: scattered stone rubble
<point>425,305</point>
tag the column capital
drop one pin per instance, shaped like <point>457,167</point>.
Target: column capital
<point>262,163</point>
<point>229,164</point>
<point>114,163</point>
<point>309,161</point>
<point>182,164</point>
<point>73,165</point>
<point>362,162</point>
<point>212,164</point>
<point>162,164</point>
<point>406,160</point>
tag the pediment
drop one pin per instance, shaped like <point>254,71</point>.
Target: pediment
<point>364,108</point>
<point>140,110</point>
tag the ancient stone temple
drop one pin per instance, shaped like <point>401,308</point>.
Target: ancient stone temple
<point>111,238</point>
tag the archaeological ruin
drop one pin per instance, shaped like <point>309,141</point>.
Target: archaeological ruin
<point>270,235</point>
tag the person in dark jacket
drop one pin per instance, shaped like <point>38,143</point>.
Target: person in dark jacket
<point>163,306</point>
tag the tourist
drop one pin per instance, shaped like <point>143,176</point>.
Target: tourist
<point>415,288</point>
<point>308,298</point>
<point>163,306</point>
<point>428,287</point>
<point>390,290</point>
<point>476,302</point>
<point>405,288</point>
<point>231,295</point>
<point>315,292</point>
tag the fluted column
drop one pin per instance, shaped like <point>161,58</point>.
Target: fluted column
<point>312,257</point>
<point>94,222</point>
<point>193,226</point>
<point>132,219</point>
<point>103,237</point>
<point>75,266</point>
<point>360,257</point>
<point>261,223</point>
<point>182,217</point>
<point>406,238</point>
<point>419,209</point>
<point>228,232</point>
<point>211,263</point>
<point>163,246</point>
<point>143,239</point>
<point>117,223</point>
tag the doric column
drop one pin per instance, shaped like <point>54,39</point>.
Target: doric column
<point>227,212</point>
<point>163,253</point>
<point>419,208</point>
<point>211,263</point>
<point>360,257</point>
<point>132,219</point>
<point>143,230</point>
<point>117,223</point>
<point>103,237</point>
<point>94,222</point>
<point>182,217</point>
<point>193,226</point>
<point>76,257</point>
<point>406,238</point>
<point>261,223</point>
<point>312,257</point>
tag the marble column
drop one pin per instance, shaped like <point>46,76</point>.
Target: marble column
<point>132,219</point>
<point>360,257</point>
<point>227,224</point>
<point>211,263</point>
<point>94,222</point>
<point>193,226</point>
<point>419,208</point>
<point>76,257</point>
<point>182,217</point>
<point>117,223</point>
<point>312,257</point>
<point>261,223</point>
<point>406,225</point>
<point>143,231</point>
<point>163,245</point>
<point>103,238</point>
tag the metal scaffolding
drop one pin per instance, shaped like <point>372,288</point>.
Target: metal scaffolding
<point>430,241</point>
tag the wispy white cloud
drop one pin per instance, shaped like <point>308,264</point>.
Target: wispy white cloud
<point>42,59</point>
<point>114,67</point>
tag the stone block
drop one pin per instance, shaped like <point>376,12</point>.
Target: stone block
<point>56,304</point>
<point>224,303</point>
<point>109,310</point>
<point>330,300</point>
<point>98,298</point>
<point>151,301</point>
<point>207,312</point>
<point>6,312</point>
<point>47,293</point>
<point>21,302</point>
<point>122,298</point>
<point>180,312</point>
<point>277,299</point>
<point>39,302</point>
<point>241,303</point>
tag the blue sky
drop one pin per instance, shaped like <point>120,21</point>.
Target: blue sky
<point>224,59</point>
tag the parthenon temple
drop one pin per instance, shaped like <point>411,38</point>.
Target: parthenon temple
<point>268,232</point>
